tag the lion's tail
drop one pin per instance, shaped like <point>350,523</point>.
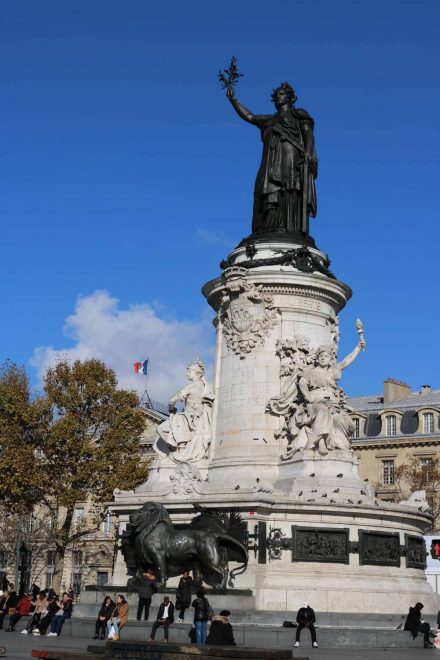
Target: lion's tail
<point>237,549</point>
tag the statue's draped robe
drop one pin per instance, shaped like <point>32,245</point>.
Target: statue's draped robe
<point>188,433</point>
<point>328,416</point>
<point>280,179</point>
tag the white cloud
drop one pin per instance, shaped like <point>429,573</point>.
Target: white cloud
<point>213,237</point>
<point>119,337</point>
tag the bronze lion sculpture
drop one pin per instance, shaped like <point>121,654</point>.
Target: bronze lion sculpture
<point>205,547</point>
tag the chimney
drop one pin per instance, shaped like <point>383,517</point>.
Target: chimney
<point>425,389</point>
<point>394,389</point>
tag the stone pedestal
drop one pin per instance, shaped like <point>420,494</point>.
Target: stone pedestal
<point>317,533</point>
<point>256,306</point>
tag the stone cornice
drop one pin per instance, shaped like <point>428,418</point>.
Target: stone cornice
<point>403,441</point>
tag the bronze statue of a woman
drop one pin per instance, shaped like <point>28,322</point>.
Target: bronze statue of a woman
<point>285,193</point>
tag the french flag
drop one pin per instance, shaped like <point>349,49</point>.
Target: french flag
<point>141,368</point>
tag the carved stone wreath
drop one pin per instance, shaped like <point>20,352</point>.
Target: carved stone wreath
<point>247,313</point>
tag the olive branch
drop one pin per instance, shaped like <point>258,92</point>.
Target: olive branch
<point>229,80</point>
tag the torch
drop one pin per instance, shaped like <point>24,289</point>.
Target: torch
<point>360,331</point>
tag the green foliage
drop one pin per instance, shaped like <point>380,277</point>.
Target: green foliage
<point>76,442</point>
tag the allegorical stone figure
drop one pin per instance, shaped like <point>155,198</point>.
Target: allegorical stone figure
<point>328,420</point>
<point>313,408</point>
<point>285,193</point>
<point>187,434</point>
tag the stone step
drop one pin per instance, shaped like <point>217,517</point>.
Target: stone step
<point>262,635</point>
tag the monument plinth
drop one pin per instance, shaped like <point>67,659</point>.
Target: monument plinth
<point>270,437</point>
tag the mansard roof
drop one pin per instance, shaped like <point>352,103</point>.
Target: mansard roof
<point>412,401</point>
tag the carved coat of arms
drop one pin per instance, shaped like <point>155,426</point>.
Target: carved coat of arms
<point>246,311</point>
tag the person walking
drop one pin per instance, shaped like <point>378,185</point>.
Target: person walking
<point>415,624</point>
<point>104,615</point>
<point>220,632</point>
<point>202,613</point>
<point>147,588</point>
<point>306,619</point>
<point>183,599</point>
<point>118,618</point>
<point>165,617</point>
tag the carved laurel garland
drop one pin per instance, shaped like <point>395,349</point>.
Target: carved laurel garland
<point>247,313</point>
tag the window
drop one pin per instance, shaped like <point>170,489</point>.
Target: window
<point>79,517</point>
<point>3,558</point>
<point>357,428</point>
<point>76,582</point>
<point>49,579</point>
<point>391,425</point>
<point>388,472</point>
<point>426,464</point>
<point>107,524</point>
<point>428,423</point>
<point>77,557</point>
<point>27,523</point>
<point>102,578</point>
<point>50,557</point>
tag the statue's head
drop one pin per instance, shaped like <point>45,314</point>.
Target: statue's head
<point>195,370</point>
<point>283,94</point>
<point>325,355</point>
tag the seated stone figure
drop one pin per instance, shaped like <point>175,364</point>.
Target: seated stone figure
<point>327,421</point>
<point>186,435</point>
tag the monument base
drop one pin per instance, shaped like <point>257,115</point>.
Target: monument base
<point>339,557</point>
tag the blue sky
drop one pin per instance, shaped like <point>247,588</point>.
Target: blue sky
<point>124,171</point>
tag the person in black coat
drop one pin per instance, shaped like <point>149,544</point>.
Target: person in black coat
<point>202,614</point>
<point>221,632</point>
<point>306,619</point>
<point>183,599</point>
<point>415,624</point>
<point>147,588</point>
<point>165,617</point>
<point>9,602</point>
<point>104,615</point>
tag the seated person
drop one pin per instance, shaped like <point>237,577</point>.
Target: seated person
<point>221,633</point>
<point>165,617</point>
<point>40,608</point>
<point>23,608</point>
<point>8,603</point>
<point>415,624</point>
<point>65,607</point>
<point>47,616</point>
<point>118,619</point>
<point>104,615</point>
<point>306,618</point>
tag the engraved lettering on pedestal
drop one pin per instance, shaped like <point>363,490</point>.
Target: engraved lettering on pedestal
<point>246,312</point>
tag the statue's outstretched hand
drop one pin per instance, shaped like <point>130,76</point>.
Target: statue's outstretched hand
<point>230,93</point>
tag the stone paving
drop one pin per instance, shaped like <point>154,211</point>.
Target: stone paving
<point>20,646</point>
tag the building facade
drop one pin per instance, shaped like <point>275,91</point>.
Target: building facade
<point>393,429</point>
